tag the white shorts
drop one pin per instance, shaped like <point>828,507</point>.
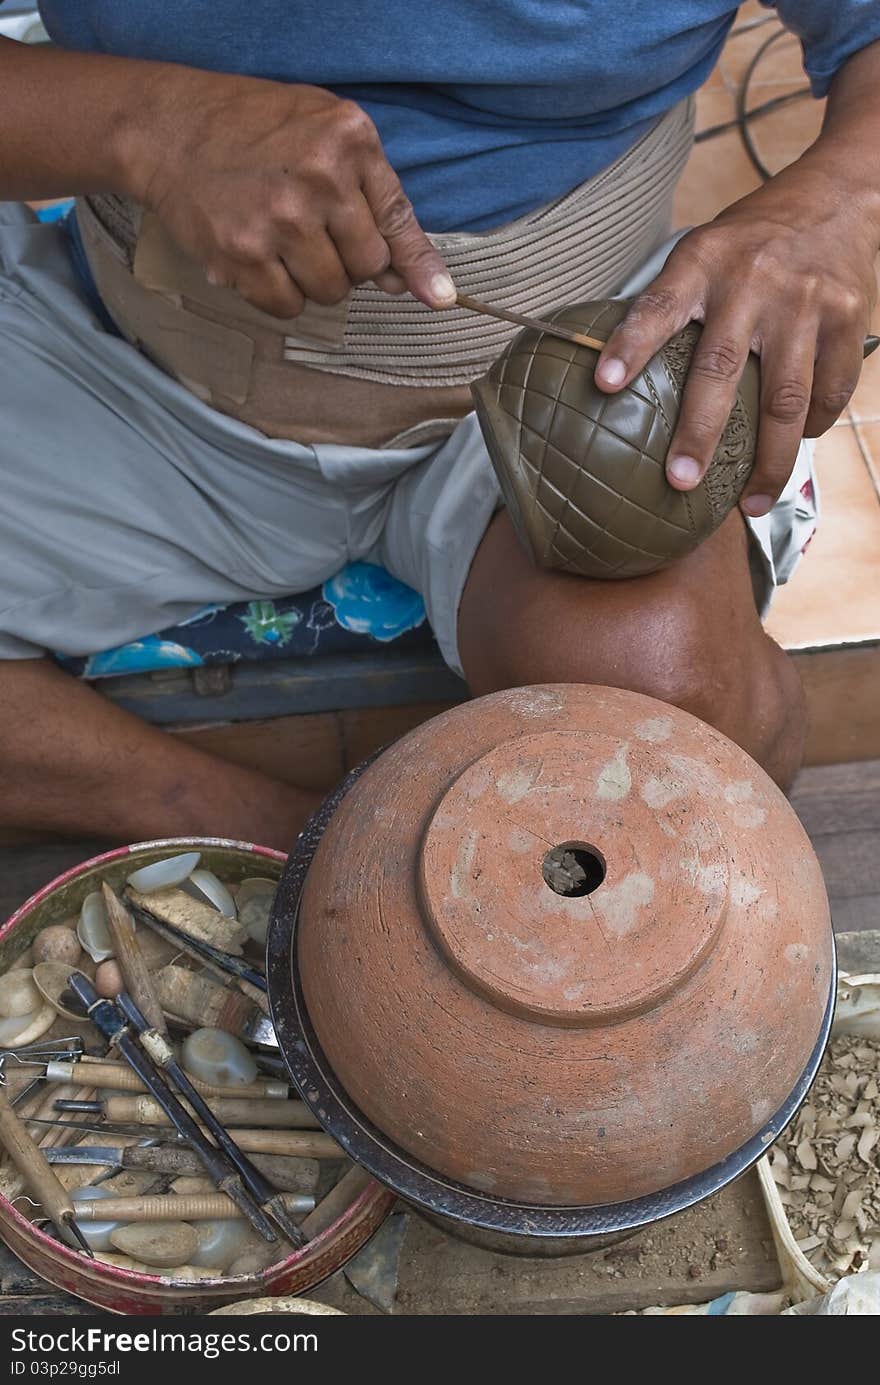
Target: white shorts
<point>128,504</point>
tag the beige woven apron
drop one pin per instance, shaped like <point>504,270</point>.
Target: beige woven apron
<point>379,371</point>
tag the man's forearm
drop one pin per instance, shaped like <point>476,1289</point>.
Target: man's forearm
<point>73,122</point>
<point>848,148</point>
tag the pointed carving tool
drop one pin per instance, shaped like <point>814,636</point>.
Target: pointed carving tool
<point>537,324</point>
<point>558,329</point>
<point>289,1174</point>
<point>110,1021</point>
<point>118,1077</point>
<point>161,1052</point>
<point>33,1166</point>
<point>301,1144</point>
<point>268,1112</point>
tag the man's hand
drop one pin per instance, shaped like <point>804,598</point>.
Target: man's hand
<point>283,193</point>
<point>788,272</point>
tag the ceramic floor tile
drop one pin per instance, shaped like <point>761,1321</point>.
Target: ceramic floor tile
<point>865,403</point>
<point>781,136</point>
<point>834,597</point>
<point>751,9</point>
<point>715,106</point>
<point>869,437</point>
<point>781,60</point>
<point>715,81</point>
<point>717,173</point>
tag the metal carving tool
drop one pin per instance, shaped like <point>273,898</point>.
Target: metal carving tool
<point>266,1112</point>
<point>110,1021</point>
<point>69,1047</point>
<point>118,1077</point>
<point>34,1168</point>
<point>304,1144</point>
<point>289,1174</point>
<point>558,329</point>
<point>35,1055</point>
<point>258,1033</point>
<point>160,1050</point>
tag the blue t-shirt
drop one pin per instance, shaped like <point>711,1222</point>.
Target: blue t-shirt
<point>486,108</point>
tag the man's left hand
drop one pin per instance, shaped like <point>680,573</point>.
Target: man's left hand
<point>787,272</point>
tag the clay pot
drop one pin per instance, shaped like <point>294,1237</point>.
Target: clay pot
<point>583,472</point>
<point>562,945</point>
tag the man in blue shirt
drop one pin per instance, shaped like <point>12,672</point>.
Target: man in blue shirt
<point>291,155</point>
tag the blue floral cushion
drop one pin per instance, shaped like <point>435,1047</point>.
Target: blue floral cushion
<point>361,606</point>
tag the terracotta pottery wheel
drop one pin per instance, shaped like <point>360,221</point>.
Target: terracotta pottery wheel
<point>565,945</point>
<point>583,472</point>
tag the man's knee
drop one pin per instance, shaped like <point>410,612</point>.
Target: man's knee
<point>736,679</point>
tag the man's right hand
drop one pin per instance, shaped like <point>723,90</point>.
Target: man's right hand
<point>281,192</point>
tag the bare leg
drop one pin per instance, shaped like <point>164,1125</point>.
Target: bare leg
<point>688,635</point>
<point>74,763</point>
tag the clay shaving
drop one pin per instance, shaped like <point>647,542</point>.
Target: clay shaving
<point>826,1163</point>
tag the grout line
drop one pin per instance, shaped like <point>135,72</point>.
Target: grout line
<point>875,481</point>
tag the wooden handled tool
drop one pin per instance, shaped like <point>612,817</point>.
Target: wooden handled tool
<point>558,329</point>
<point>161,1052</point>
<point>250,1111</point>
<point>305,1144</point>
<point>178,1207</point>
<point>331,1207</point>
<point>202,1002</point>
<point>118,1077</point>
<point>138,981</point>
<point>110,1021</point>
<point>537,324</point>
<point>286,1172</point>
<point>31,1163</point>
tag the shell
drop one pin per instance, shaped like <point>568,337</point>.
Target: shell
<point>218,1058</point>
<point>255,917</point>
<point>57,944</point>
<point>295,1307</point>
<point>255,897</point>
<point>26,1029</point>
<point>164,875</point>
<point>93,929</point>
<point>220,1242</point>
<point>163,1244</point>
<point>24,961</point>
<point>255,885</point>
<point>214,891</point>
<point>53,982</point>
<point>96,1233</point>
<point>583,471</point>
<point>19,995</point>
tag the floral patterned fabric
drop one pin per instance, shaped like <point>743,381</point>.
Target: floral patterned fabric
<point>360,607</point>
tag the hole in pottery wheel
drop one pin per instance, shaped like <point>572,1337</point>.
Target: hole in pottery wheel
<point>573,869</point>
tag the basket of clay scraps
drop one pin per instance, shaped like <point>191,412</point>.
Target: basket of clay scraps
<point>821,1180</point>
